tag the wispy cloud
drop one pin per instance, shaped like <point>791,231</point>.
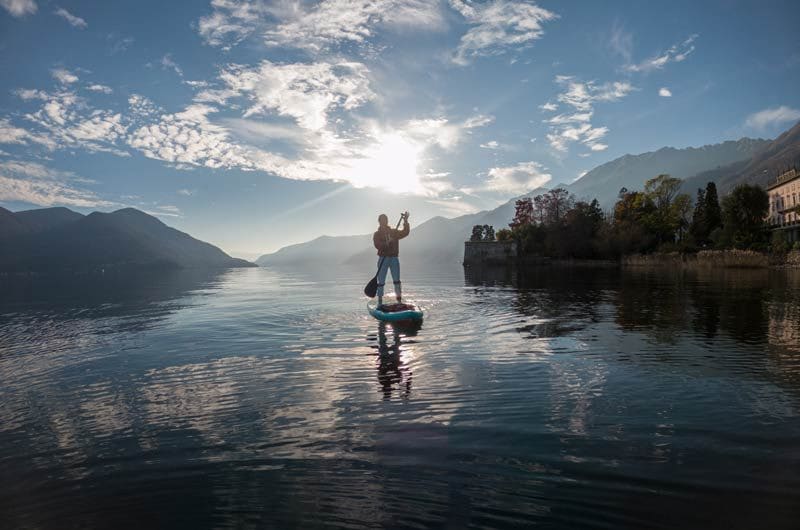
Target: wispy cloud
<point>64,120</point>
<point>674,54</point>
<point>576,125</point>
<point>621,42</point>
<point>103,89</point>
<point>664,92</point>
<point>312,26</point>
<point>19,8</point>
<point>167,63</point>
<point>497,26</point>
<point>64,76</point>
<point>772,117</point>
<point>74,21</point>
<point>117,44</point>
<point>34,183</point>
<point>519,178</point>
<point>332,22</point>
<point>306,92</point>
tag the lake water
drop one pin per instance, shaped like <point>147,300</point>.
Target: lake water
<point>579,398</point>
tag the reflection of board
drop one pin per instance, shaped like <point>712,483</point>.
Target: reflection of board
<point>394,312</point>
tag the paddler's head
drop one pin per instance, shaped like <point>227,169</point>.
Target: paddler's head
<point>383,220</point>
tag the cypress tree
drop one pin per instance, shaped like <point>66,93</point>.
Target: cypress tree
<point>699,226</point>
<point>713,212</point>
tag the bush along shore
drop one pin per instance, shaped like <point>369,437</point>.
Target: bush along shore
<point>656,226</point>
<point>735,259</point>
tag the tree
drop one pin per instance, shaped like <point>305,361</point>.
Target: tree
<point>699,226</point>
<point>662,189</point>
<point>557,202</point>
<point>523,214</point>
<point>681,206</point>
<point>667,219</point>
<point>743,213</point>
<point>477,233</point>
<point>488,233</point>
<point>504,234</point>
<point>713,212</point>
<point>582,224</point>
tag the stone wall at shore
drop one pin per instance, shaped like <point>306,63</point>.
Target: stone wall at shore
<point>479,253</point>
<point>793,259</point>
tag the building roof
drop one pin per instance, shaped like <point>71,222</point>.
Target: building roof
<point>784,178</point>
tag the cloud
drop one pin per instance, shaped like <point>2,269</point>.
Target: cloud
<point>497,26</point>
<point>674,54</point>
<point>312,27</point>
<point>168,64</point>
<point>230,22</point>
<point>103,89</point>
<point>332,22</point>
<point>63,76</point>
<point>520,178</point>
<point>34,183</point>
<point>19,8</point>
<point>48,193</point>
<point>28,94</point>
<point>621,42</point>
<point>76,22</point>
<point>576,125</point>
<point>664,92</point>
<point>772,117</point>
<point>186,192</point>
<point>491,144</point>
<point>442,132</point>
<point>118,44</point>
<point>548,107</point>
<point>65,120</point>
<point>306,92</point>
<point>11,134</point>
<point>140,106</point>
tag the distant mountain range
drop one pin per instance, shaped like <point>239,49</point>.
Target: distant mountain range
<point>53,239</point>
<point>441,240</point>
<point>761,168</point>
<point>631,171</point>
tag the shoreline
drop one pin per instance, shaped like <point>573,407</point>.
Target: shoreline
<point>706,259</point>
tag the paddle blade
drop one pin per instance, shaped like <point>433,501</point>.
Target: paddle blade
<point>372,288</point>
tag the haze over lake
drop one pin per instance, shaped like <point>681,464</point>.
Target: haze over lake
<point>266,397</point>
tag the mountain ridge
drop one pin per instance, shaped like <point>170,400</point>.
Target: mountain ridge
<point>53,239</point>
<point>443,238</point>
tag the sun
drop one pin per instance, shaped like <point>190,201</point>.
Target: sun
<point>390,164</point>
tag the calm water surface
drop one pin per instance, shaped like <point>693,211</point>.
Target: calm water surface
<point>266,398</point>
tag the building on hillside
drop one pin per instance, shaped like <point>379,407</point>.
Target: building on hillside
<point>784,204</point>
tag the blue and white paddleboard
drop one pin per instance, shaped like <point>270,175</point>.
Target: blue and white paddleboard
<point>394,312</point>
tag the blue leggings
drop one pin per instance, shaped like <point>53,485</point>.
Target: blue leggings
<point>389,264</point>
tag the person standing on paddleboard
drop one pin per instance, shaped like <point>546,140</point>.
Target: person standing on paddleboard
<point>386,240</point>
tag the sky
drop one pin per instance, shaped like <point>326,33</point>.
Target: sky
<point>256,124</point>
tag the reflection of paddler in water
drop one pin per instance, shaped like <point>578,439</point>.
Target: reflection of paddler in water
<point>391,371</point>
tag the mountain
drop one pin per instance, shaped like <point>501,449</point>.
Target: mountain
<point>57,239</point>
<point>441,240</point>
<point>631,171</point>
<point>11,225</point>
<point>761,168</point>
<point>436,241</point>
<point>47,218</point>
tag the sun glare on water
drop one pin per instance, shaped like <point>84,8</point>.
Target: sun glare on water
<point>390,165</point>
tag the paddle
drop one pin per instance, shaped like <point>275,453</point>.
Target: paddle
<point>372,287</point>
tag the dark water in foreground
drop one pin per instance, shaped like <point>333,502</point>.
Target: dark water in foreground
<point>260,398</point>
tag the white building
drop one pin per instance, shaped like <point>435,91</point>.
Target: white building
<point>784,203</point>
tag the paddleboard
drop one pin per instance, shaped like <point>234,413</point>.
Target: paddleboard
<point>394,312</point>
